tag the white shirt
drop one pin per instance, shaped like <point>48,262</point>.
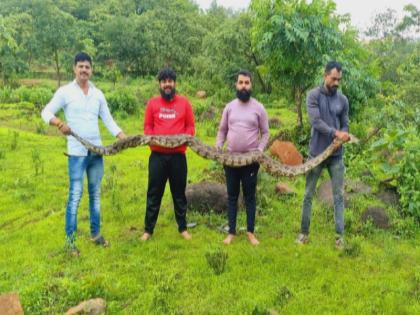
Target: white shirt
<point>81,112</point>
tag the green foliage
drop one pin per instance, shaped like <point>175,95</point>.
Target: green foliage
<point>14,140</point>
<point>216,259</point>
<point>283,296</point>
<point>38,163</point>
<point>122,100</point>
<point>294,37</point>
<point>37,95</point>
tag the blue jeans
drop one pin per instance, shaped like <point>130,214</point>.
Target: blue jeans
<point>93,165</point>
<point>336,170</point>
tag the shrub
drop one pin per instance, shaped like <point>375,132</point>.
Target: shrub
<point>122,100</point>
<point>217,259</point>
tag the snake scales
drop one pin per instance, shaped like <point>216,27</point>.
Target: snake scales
<point>234,160</point>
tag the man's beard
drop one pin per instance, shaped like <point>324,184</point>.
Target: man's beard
<point>244,95</point>
<point>167,96</point>
<point>333,89</point>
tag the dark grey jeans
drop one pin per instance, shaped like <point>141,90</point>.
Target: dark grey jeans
<point>336,170</point>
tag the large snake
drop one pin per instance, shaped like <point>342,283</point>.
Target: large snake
<point>272,166</point>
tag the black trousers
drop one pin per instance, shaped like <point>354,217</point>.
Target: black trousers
<point>164,166</point>
<point>248,176</point>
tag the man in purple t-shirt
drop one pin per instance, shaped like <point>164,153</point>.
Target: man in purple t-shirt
<point>244,126</point>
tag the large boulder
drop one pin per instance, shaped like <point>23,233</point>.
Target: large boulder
<point>206,196</point>
<point>10,304</point>
<point>378,216</point>
<point>287,152</point>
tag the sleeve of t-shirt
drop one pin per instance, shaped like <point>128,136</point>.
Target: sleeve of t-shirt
<point>57,102</point>
<point>264,129</point>
<point>189,120</point>
<point>223,129</point>
<point>315,117</point>
<point>148,119</point>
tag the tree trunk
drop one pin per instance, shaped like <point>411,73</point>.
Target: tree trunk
<point>265,87</point>
<point>57,68</point>
<point>298,101</point>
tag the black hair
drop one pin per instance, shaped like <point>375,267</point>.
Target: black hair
<point>333,65</point>
<point>166,73</point>
<point>245,73</point>
<point>82,56</point>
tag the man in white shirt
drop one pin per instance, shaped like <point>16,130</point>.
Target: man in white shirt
<point>82,104</point>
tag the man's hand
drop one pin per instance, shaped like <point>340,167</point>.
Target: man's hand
<point>342,135</point>
<point>121,135</point>
<point>64,128</point>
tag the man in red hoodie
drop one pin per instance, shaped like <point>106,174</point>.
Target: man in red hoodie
<point>167,114</point>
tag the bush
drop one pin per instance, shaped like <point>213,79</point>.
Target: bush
<point>217,260</point>
<point>37,96</point>
<point>122,100</point>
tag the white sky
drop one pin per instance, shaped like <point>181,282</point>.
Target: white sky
<point>361,11</point>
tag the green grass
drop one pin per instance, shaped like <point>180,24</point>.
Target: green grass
<point>378,274</point>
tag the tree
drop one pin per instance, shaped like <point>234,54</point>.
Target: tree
<point>8,50</point>
<point>55,33</point>
<point>295,37</point>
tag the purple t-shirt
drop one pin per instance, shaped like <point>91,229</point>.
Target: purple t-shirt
<point>241,126</point>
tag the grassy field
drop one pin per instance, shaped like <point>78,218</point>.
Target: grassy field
<point>377,273</point>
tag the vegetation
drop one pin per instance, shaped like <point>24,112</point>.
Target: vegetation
<point>285,44</point>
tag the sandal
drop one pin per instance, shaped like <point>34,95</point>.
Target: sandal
<point>100,241</point>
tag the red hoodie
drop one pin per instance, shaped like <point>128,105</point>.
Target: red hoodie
<point>173,117</point>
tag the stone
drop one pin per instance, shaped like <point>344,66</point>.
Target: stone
<point>357,187</point>
<point>92,307</point>
<point>284,189</point>
<point>206,196</point>
<point>324,194</point>
<point>388,196</point>
<point>10,304</point>
<point>208,114</point>
<point>274,122</point>
<point>201,94</point>
<point>378,216</point>
<point>287,152</point>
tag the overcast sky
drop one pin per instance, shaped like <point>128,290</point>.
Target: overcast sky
<point>361,11</point>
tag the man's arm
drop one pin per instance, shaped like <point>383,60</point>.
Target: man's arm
<point>109,122</point>
<point>148,120</point>
<point>189,121</point>
<point>343,134</point>
<point>315,116</point>
<point>223,129</point>
<point>264,129</point>
<point>49,111</point>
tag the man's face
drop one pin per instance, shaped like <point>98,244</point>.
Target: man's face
<point>243,83</point>
<point>82,71</point>
<point>332,80</point>
<point>167,88</point>
<point>243,88</point>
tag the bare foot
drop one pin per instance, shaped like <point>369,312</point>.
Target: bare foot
<point>145,237</point>
<point>186,235</point>
<point>252,239</point>
<point>228,239</point>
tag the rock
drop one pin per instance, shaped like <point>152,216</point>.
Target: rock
<point>206,196</point>
<point>287,152</point>
<point>209,114</point>
<point>201,94</point>
<point>92,307</point>
<point>10,304</point>
<point>284,189</point>
<point>378,215</point>
<point>274,122</point>
<point>357,187</point>
<point>324,194</point>
<point>388,196</point>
